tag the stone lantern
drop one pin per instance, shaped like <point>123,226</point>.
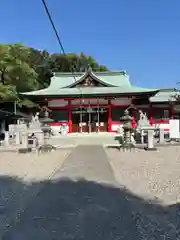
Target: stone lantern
<point>127,129</point>
<point>45,121</point>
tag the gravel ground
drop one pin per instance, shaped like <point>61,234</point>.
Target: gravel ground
<point>20,176</point>
<point>31,167</point>
<point>150,174</point>
<point>155,177</point>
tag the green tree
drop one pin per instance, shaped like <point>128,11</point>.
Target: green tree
<point>6,64</point>
<point>73,62</point>
<point>8,93</point>
<point>40,61</point>
<point>15,73</point>
<point>23,76</point>
<point>25,69</point>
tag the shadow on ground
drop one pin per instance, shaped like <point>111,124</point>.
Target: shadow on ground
<point>66,209</point>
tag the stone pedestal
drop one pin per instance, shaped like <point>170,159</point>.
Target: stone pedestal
<point>25,147</point>
<point>18,138</point>
<point>40,137</point>
<point>142,137</point>
<point>127,137</point>
<point>6,139</point>
<point>161,136</point>
<point>24,140</point>
<point>150,143</point>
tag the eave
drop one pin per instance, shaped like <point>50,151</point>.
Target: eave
<point>92,92</point>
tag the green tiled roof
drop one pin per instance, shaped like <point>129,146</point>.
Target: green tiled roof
<point>62,80</point>
<point>91,91</point>
<point>164,95</point>
<point>117,83</point>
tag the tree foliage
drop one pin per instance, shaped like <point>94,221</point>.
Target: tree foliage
<point>25,69</point>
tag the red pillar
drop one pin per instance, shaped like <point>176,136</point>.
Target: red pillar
<point>171,114</point>
<point>134,118</point>
<point>69,116</point>
<point>109,116</point>
<point>150,115</point>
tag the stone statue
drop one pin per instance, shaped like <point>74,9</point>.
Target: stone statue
<point>143,120</point>
<point>35,118</point>
<point>142,115</point>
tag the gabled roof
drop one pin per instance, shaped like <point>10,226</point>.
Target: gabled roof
<point>62,80</point>
<point>93,76</point>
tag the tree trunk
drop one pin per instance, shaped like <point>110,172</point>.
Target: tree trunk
<point>3,76</point>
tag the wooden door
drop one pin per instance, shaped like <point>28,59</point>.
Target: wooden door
<point>103,120</point>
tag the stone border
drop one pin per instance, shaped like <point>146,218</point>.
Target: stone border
<point>142,146</point>
<point>58,147</point>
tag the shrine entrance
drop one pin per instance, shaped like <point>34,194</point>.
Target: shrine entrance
<point>90,119</point>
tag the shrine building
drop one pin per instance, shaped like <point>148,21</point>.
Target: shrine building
<point>95,101</point>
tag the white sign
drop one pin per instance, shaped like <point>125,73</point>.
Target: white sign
<point>174,128</point>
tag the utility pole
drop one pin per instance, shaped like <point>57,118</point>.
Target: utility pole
<point>15,107</point>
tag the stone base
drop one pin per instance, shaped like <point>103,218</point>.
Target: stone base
<point>46,148</point>
<point>150,149</point>
<point>125,146</point>
<point>24,150</point>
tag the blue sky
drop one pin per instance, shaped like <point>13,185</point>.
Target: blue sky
<point>140,36</point>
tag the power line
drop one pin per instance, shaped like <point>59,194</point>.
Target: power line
<point>56,33</point>
<point>53,25</point>
<point>60,43</point>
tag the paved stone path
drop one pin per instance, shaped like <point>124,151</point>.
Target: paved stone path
<point>87,162</point>
<point>76,206</point>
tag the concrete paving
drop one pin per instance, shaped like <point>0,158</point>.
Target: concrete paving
<point>82,201</point>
